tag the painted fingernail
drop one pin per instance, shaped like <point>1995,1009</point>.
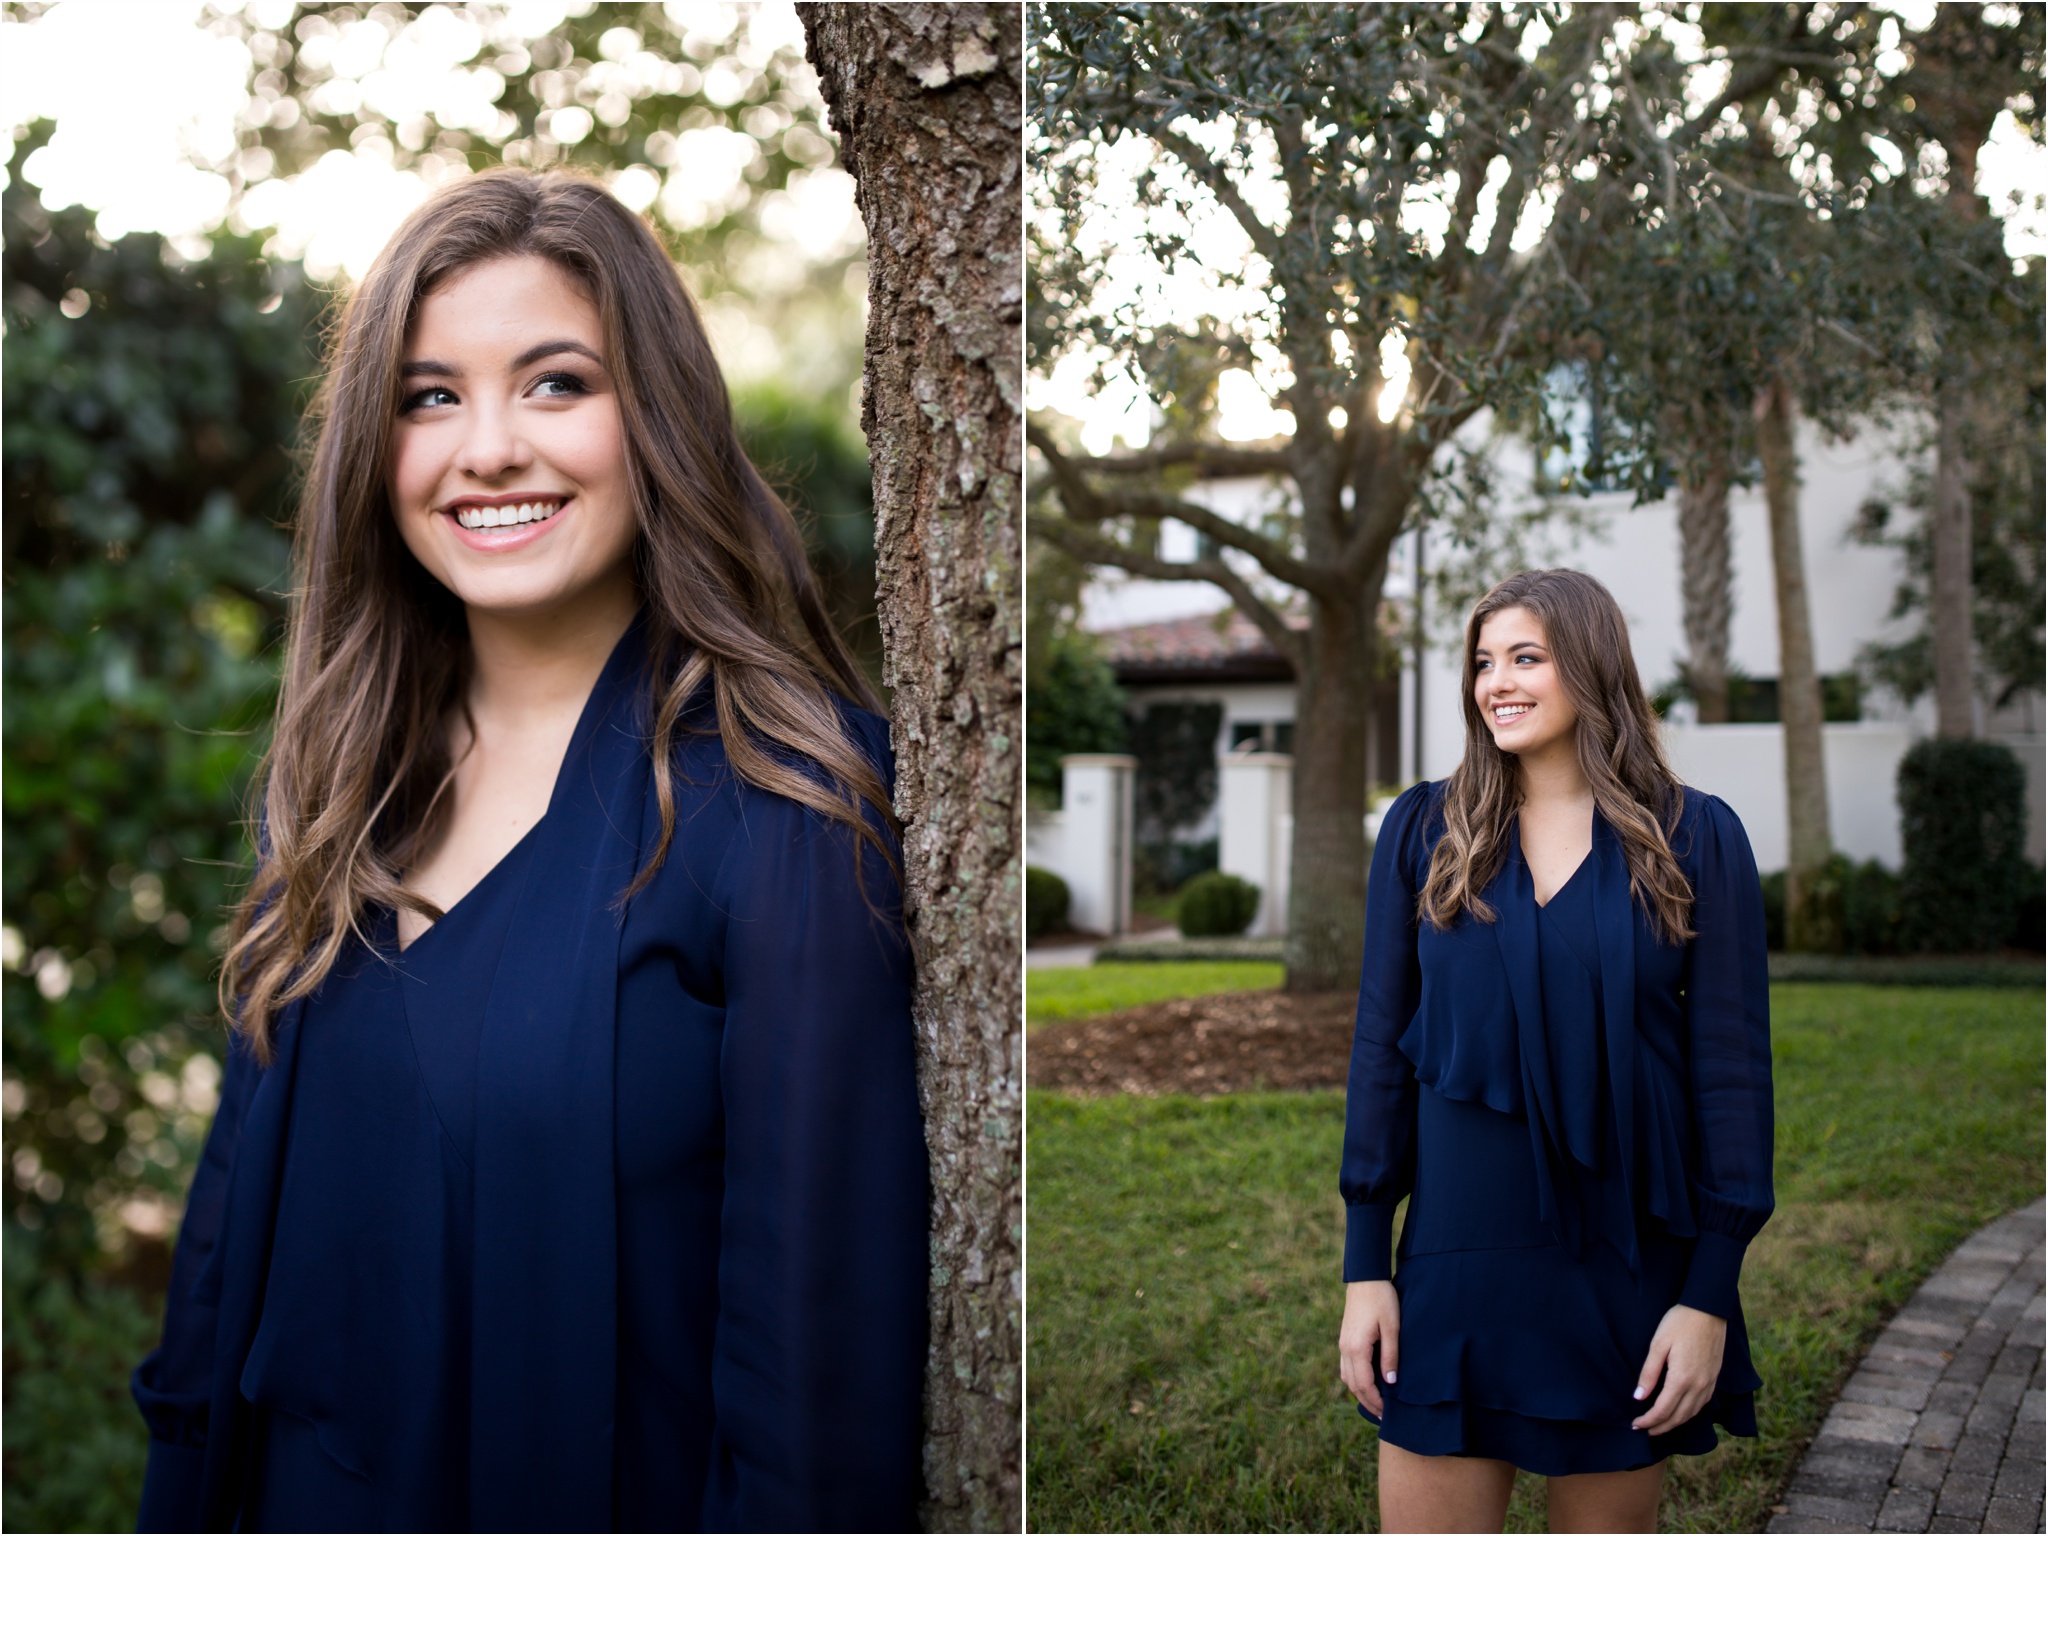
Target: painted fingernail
<point>1640,1394</point>
<point>1392,1377</point>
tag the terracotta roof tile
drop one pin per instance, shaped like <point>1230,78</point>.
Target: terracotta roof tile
<point>1201,644</point>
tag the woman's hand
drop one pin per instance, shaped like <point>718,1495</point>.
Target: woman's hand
<point>1686,1352</point>
<point>1372,1315</point>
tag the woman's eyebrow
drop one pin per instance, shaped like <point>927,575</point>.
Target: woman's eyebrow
<point>532,355</point>
<point>548,349</point>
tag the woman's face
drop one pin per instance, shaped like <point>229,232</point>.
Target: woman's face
<point>508,473</point>
<point>1518,689</point>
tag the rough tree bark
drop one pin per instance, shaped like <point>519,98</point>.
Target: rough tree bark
<point>928,103</point>
<point>1799,709</point>
<point>1704,581</point>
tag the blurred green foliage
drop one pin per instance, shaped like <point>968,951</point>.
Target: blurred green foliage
<point>151,407</point>
<point>1072,706</point>
<point>75,1447</point>
<point>811,452</point>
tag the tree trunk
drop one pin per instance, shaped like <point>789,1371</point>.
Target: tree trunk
<point>1326,866</point>
<point>1807,926</point>
<point>928,103</point>
<point>1954,656</point>
<point>1703,577</point>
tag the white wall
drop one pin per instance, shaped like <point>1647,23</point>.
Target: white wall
<point>1088,842</point>
<point>1744,764</point>
<point>1256,844</point>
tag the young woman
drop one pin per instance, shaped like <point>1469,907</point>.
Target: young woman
<point>568,1173</point>
<point>1563,1063</point>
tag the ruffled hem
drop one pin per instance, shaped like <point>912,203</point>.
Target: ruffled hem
<point>1555,1448</point>
<point>1502,1096</point>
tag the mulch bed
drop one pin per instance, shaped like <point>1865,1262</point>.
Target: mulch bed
<point>1204,1047</point>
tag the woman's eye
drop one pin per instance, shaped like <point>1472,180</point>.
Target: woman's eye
<point>559,384</point>
<point>427,397</point>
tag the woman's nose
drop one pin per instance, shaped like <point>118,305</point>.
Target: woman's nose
<point>492,446</point>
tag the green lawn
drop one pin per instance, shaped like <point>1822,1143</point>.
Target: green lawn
<point>1054,993</point>
<point>1184,1254</point>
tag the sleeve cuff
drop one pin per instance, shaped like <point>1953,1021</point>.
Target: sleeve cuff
<point>1368,1242</point>
<point>1710,1282</point>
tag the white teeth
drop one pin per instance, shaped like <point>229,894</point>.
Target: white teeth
<point>531,511</point>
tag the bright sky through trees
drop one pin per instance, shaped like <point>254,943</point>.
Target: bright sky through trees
<point>153,111</point>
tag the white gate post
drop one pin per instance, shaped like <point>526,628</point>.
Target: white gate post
<point>1257,820</point>
<point>1095,801</point>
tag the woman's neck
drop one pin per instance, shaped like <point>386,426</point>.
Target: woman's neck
<point>1552,776</point>
<point>529,667</point>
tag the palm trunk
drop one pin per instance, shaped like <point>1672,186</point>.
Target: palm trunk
<point>1704,580</point>
<point>1954,661</point>
<point>928,104</point>
<point>1799,707</point>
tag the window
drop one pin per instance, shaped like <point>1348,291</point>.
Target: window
<point>1275,737</point>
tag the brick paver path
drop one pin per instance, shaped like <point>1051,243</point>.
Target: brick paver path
<point>1939,1430</point>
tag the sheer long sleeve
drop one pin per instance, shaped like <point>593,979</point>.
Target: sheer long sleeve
<point>173,1385</point>
<point>818,1364</point>
<point>1379,1115</point>
<point>1729,1022</point>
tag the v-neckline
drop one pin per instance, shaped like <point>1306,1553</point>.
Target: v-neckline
<point>576,737</point>
<point>483,881</point>
<point>1577,870</point>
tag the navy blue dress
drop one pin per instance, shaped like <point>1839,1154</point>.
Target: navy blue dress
<point>1580,1118</point>
<point>568,1218</point>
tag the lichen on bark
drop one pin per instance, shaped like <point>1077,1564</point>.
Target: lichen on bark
<point>927,103</point>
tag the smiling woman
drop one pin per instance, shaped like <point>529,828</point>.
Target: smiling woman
<point>1562,1061</point>
<point>569,1171</point>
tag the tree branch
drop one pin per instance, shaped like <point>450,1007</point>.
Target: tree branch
<point>1088,504</point>
<point>1218,182</point>
<point>1207,459</point>
<point>1085,545</point>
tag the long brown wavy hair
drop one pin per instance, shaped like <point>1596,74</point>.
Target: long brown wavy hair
<point>1633,788</point>
<point>377,651</point>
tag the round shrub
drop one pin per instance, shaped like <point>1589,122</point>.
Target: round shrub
<point>1045,902</point>
<point>1963,819</point>
<point>1217,905</point>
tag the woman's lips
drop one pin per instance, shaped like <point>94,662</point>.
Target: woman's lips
<point>497,541</point>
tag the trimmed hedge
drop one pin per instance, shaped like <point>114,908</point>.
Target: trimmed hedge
<point>1963,819</point>
<point>1217,905</point>
<point>1046,900</point>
